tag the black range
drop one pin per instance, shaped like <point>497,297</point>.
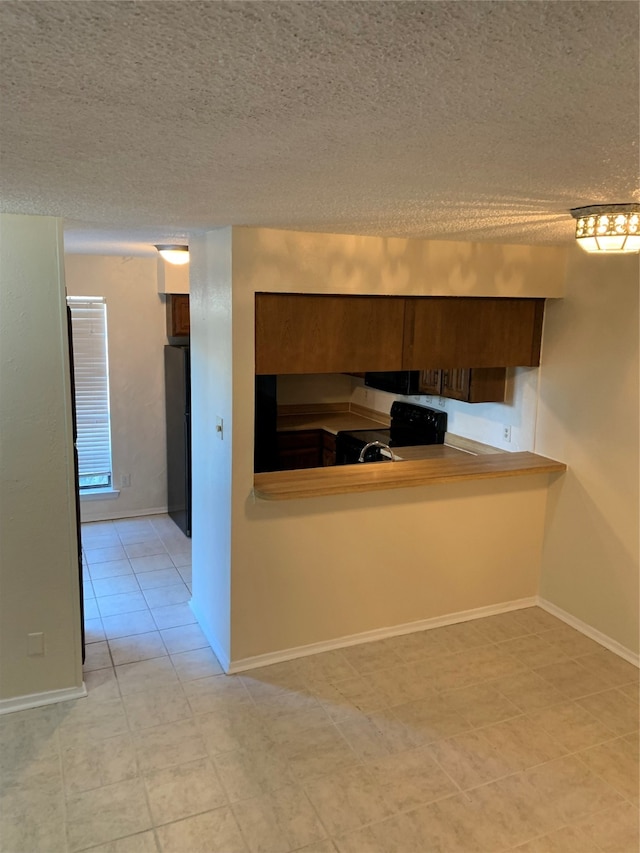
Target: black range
<point>410,425</point>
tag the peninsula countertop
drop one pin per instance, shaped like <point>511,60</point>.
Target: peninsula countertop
<point>456,460</point>
<point>438,464</point>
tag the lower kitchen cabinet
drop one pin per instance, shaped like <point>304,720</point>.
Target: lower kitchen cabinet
<point>300,449</point>
<point>328,449</point>
<point>471,385</point>
<point>309,448</point>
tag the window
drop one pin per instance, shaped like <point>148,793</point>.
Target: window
<point>91,383</point>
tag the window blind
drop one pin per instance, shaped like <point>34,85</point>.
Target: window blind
<point>91,382</point>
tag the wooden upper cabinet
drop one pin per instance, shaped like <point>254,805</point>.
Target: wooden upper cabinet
<point>471,385</point>
<point>178,319</point>
<point>459,331</point>
<point>430,381</point>
<point>301,333</point>
<point>476,385</point>
<point>313,333</point>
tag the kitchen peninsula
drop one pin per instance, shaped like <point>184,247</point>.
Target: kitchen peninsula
<point>457,460</point>
<point>273,579</point>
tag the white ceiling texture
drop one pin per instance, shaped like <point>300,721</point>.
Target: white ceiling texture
<point>141,122</point>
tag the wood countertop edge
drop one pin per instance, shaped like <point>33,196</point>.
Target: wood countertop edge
<point>349,479</point>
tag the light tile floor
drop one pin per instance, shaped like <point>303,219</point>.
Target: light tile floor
<point>512,732</point>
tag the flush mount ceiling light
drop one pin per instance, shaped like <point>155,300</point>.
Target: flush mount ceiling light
<point>608,228</point>
<point>174,254</point>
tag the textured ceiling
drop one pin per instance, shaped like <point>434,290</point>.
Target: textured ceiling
<point>140,122</point>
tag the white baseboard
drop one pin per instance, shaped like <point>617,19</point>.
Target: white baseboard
<point>244,664</point>
<point>115,514</point>
<point>36,700</point>
<point>223,657</point>
<point>248,663</point>
<point>604,640</point>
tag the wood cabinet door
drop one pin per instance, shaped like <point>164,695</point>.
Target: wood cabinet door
<point>487,385</point>
<point>430,381</point>
<point>297,458</point>
<point>484,332</point>
<point>178,319</point>
<point>477,385</point>
<point>303,333</point>
<point>328,449</point>
<point>299,449</point>
<point>455,383</point>
<point>328,458</point>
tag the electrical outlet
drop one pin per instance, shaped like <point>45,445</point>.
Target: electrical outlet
<point>506,433</point>
<point>35,644</point>
<point>125,481</point>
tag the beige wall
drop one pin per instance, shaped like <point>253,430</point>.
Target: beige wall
<point>588,417</point>
<point>294,261</point>
<point>38,551</point>
<point>136,328</point>
<point>311,571</point>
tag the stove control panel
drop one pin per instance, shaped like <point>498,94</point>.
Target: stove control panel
<point>408,415</point>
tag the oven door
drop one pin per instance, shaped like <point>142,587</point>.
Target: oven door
<point>347,449</point>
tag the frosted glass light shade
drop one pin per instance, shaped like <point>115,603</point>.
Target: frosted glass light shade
<point>608,228</point>
<point>174,254</point>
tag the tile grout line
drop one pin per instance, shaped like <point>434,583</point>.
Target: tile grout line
<point>64,790</point>
<point>597,849</point>
<point>465,792</point>
<point>596,773</point>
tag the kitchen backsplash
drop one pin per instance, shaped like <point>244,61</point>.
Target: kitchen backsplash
<point>483,422</point>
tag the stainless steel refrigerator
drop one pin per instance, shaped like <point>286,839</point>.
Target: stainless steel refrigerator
<point>177,382</point>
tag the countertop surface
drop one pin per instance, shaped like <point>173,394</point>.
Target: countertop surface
<point>427,451</point>
<point>332,422</point>
<point>438,464</point>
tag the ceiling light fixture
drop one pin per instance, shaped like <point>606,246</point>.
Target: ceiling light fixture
<point>608,228</point>
<point>174,254</point>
